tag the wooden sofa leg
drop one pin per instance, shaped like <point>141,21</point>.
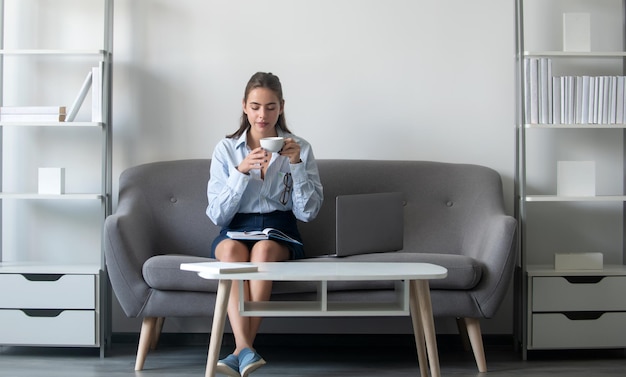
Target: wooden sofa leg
<point>476,339</point>
<point>145,340</point>
<point>158,328</point>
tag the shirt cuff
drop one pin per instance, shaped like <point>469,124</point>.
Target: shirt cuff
<point>298,172</point>
<point>237,180</point>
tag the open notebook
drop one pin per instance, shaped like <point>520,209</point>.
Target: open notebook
<point>369,223</point>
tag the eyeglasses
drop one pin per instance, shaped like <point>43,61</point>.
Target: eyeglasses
<point>284,196</point>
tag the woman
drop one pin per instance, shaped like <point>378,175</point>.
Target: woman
<point>252,189</point>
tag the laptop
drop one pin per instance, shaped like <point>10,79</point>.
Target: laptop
<point>369,223</point>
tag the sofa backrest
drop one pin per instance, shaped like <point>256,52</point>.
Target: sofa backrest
<point>174,193</point>
<point>441,201</point>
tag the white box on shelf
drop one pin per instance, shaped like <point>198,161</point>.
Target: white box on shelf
<point>576,178</point>
<point>578,261</point>
<point>576,32</point>
<point>52,181</point>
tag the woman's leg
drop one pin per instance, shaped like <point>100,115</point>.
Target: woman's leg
<point>235,251</point>
<point>245,328</point>
<point>261,290</point>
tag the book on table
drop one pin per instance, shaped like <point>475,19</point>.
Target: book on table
<point>229,267</point>
<point>265,234</point>
<point>220,267</point>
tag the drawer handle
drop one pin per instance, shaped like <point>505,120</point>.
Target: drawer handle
<point>584,279</point>
<point>583,316</point>
<point>42,277</point>
<point>47,313</point>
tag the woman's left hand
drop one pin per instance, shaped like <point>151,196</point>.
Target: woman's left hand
<point>291,149</point>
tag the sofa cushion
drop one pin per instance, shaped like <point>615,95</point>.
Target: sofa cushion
<point>463,272</point>
<point>163,272</point>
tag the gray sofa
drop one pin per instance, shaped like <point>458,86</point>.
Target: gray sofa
<point>454,217</point>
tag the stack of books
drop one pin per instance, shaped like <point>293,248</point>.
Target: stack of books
<point>32,113</point>
<point>93,81</point>
<point>571,99</point>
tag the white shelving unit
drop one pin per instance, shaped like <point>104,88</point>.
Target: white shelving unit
<point>54,289</point>
<point>569,309</point>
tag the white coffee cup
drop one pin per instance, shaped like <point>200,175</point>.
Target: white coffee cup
<point>273,144</point>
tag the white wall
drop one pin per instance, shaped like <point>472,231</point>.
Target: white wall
<point>362,78</point>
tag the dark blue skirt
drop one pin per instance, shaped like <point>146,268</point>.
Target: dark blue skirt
<point>285,221</point>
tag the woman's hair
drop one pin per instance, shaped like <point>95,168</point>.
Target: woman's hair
<point>262,80</point>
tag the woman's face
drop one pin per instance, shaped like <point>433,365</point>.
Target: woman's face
<point>263,108</point>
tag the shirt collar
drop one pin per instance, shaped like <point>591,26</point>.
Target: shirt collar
<point>241,142</point>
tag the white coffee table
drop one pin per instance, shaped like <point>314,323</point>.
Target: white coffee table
<point>412,298</point>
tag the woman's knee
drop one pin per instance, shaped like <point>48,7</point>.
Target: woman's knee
<point>269,251</point>
<point>232,251</point>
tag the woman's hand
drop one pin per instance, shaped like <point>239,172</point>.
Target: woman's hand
<point>254,160</point>
<point>291,149</point>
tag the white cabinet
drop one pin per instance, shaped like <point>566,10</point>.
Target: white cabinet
<point>571,112</point>
<point>576,309</point>
<point>50,309</point>
<point>54,289</point>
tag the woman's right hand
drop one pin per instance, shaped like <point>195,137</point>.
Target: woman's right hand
<point>254,160</point>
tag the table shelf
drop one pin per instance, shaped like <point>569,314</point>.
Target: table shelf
<point>322,307</point>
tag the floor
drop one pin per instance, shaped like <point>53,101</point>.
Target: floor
<point>325,358</point>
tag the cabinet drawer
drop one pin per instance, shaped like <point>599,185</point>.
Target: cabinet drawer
<point>556,330</point>
<point>46,291</point>
<point>48,327</point>
<point>579,293</point>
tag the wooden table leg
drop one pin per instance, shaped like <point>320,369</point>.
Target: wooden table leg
<point>217,330</point>
<point>418,329</point>
<point>426,311</point>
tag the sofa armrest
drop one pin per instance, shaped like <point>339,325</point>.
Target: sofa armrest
<point>493,242</point>
<point>128,243</point>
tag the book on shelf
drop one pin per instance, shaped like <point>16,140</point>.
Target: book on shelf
<point>538,100</point>
<point>556,97</point>
<point>32,110</point>
<point>265,234</point>
<point>527,90</point>
<point>582,87</point>
<point>597,99</point>
<point>592,100</point>
<point>570,89</point>
<point>619,99</point>
<point>32,113</point>
<point>97,79</point>
<point>613,99</point>
<point>571,99</point>
<point>78,102</point>
<point>545,90</point>
<point>532,90</point>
